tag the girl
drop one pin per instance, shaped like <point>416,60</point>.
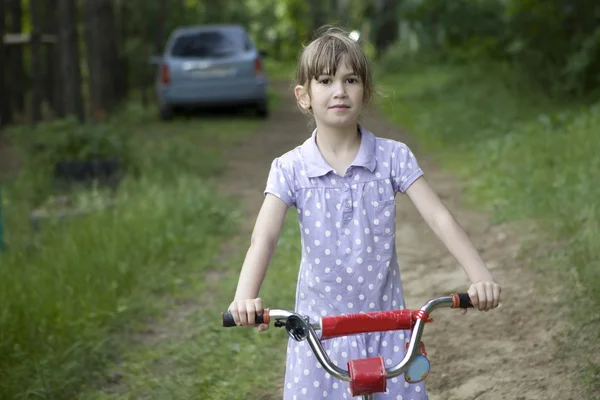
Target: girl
<point>343,181</point>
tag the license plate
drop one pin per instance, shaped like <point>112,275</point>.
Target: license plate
<point>214,73</point>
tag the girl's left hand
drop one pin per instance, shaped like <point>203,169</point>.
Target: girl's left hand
<point>485,295</point>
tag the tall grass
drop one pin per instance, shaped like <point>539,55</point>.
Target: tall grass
<point>61,301</point>
<point>523,155</point>
<point>69,291</point>
<point>205,361</point>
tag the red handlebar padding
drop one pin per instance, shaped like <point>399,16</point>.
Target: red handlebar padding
<point>377,321</point>
<point>367,376</point>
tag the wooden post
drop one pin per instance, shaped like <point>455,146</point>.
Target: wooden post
<point>37,80</point>
<point>1,223</point>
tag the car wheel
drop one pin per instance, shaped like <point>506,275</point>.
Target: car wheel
<point>262,110</point>
<point>166,113</point>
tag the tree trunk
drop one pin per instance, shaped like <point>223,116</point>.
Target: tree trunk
<point>53,84</point>
<point>161,25</point>
<point>141,77</point>
<point>69,60</point>
<point>100,50</point>
<point>122,78</point>
<point>386,27</point>
<point>18,79</point>
<point>37,62</point>
<point>4,105</point>
<point>181,17</point>
<point>341,10</point>
<point>317,15</point>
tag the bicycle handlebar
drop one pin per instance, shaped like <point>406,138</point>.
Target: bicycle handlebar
<point>300,329</point>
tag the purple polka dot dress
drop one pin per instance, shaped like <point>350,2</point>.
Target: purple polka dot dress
<point>349,260</point>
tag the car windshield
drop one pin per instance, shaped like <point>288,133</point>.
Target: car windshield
<point>205,44</point>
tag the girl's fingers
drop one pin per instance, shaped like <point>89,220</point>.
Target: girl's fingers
<point>482,297</point>
<point>242,313</point>
<point>233,309</point>
<point>473,295</point>
<point>258,306</point>
<point>489,294</point>
<point>485,295</point>
<point>496,292</point>
<point>250,312</point>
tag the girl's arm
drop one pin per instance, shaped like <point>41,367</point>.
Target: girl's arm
<point>265,236</point>
<point>484,292</point>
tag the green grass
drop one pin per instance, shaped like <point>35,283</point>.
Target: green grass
<point>70,294</point>
<point>522,156</point>
<point>200,359</point>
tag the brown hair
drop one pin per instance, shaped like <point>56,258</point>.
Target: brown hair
<point>324,54</point>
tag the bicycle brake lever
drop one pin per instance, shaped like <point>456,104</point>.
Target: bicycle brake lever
<point>279,323</point>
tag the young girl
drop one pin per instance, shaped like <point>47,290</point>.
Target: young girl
<point>343,181</point>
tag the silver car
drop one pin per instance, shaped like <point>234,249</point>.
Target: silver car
<point>210,65</point>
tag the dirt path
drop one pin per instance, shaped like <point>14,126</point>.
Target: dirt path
<point>509,353</point>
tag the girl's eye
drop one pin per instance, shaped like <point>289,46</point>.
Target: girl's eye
<point>352,80</point>
<point>325,81</point>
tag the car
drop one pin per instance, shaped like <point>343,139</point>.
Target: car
<point>210,66</point>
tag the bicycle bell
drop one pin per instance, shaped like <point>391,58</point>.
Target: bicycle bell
<point>296,327</point>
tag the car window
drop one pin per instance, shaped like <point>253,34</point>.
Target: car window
<point>206,44</point>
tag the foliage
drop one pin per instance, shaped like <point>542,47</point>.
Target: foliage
<point>556,43</point>
<point>44,147</point>
<point>68,140</point>
<point>70,291</point>
<point>462,28</point>
<point>559,40</point>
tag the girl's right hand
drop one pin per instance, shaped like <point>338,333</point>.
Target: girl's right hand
<point>244,312</point>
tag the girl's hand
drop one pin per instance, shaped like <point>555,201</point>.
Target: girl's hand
<point>244,312</point>
<point>485,295</point>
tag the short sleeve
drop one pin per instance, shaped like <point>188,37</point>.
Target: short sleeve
<point>406,168</point>
<point>279,183</point>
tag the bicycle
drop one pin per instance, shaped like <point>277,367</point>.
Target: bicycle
<point>366,376</point>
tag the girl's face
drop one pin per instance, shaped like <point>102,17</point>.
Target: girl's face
<point>336,100</point>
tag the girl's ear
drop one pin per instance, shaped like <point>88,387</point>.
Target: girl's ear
<point>302,97</point>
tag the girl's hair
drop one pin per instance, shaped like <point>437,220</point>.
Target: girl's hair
<point>324,54</point>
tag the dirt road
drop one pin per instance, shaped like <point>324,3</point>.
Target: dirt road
<point>509,353</point>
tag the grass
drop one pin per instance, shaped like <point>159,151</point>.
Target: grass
<point>204,360</point>
<point>70,294</point>
<point>522,156</point>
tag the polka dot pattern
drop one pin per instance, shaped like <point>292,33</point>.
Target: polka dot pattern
<point>348,265</point>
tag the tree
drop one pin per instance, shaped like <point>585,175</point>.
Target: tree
<point>101,51</point>
<point>386,25</point>
<point>52,80</point>
<point>123,22</point>
<point>15,57</point>
<point>37,63</point>
<point>69,59</point>
<point>4,106</point>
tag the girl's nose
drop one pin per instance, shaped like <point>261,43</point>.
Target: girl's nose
<point>339,90</point>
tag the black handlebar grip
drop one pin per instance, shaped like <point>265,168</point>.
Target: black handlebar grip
<point>229,322</point>
<point>464,300</point>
